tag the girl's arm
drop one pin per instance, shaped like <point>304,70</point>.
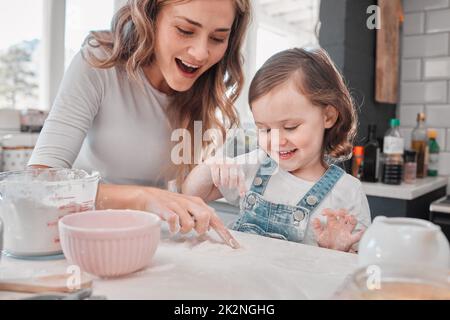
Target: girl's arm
<point>200,183</point>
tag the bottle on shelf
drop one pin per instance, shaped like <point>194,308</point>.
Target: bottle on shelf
<point>393,146</point>
<point>357,162</point>
<point>410,167</point>
<point>420,145</point>
<point>370,172</point>
<point>434,149</point>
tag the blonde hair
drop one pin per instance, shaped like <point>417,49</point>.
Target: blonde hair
<point>318,79</point>
<point>131,43</point>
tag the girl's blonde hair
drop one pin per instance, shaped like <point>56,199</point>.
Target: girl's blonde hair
<point>318,79</point>
<point>131,43</point>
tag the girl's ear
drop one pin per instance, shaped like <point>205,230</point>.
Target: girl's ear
<point>330,116</point>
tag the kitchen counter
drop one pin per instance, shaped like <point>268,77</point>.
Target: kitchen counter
<point>405,191</point>
<point>405,200</point>
<point>190,268</point>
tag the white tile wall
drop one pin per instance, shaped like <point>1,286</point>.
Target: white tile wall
<point>425,72</point>
<point>438,116</point>
<point>444,163</point>
<point>411,69</point>
<point>448,141</point>
<point>437,21</point>
<point>414,23</point>
<point>421,5</point>
<point>435,68</point>
<point>406,134</point>
<point>431,45</point>
<point>408,114</point>
<point>424,92</point>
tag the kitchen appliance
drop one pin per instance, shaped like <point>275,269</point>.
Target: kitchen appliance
<point>440,214</point>
<point>33,201</point>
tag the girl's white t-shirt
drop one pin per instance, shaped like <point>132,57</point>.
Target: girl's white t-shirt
<point>285,188</point>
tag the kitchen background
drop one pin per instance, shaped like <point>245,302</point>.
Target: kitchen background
<point>48,33</point>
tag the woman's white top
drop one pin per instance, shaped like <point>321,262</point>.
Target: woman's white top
<point>103,121</point>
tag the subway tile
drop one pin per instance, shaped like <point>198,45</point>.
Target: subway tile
<point>430,45</point>
<point>437,68</point>
<point>438,21</point>
<point>411,69</point>
<point>406,134</point>
<point>421,5</point>
<point>438,116</point>
<point>448,140</point>
<point>448,186</point>
<point>444,163</point>
<point>414,23</point>
<point>424,92</point>
<point>408,114</point>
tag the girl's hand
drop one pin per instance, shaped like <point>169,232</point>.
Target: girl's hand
<point>337,233</point>
<point>228,174</point>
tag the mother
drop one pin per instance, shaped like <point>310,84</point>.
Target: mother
<point>163,65</point>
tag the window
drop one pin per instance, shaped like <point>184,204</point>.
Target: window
<point>268,43</point>
<point>83,16</point>
<point>20,53</point>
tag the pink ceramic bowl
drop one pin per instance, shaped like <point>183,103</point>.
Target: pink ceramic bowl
<point>110,243</point>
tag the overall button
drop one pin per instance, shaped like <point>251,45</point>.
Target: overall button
<point>258,181</point>
<point>311,200</point>
<point>251,200</point>
<point>299,215</point>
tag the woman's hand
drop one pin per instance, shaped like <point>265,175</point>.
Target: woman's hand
<point>337,233</point>
<point>228,174</point>
<point>182,212</point>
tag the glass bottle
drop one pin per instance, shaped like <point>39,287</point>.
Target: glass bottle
<point>371,156</point>
<point>393,147</point>
<point>357,162</point>
<point>420,145</point>
<point>410,168</point>
<point>434,149</point>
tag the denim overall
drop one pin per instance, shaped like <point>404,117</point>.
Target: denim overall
<point>280,221</point>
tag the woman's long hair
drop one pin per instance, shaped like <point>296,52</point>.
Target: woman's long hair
<point>131,43</point>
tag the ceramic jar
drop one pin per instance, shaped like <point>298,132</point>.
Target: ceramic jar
<point>404,242</point>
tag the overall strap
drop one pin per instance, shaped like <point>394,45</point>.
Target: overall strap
<point>263,176</point>
<point>320,190</point>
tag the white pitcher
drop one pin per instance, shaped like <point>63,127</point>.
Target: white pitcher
<point>404,242</point>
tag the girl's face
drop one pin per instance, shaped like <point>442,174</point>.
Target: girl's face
<point>191,37</point>
<point>301,126</point>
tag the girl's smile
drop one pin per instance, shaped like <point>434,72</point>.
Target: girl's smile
<point>291,129</point>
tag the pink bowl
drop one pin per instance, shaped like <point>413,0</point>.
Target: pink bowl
<point>110,243</point>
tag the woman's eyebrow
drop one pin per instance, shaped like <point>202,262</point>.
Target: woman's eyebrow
<point>198,24</point>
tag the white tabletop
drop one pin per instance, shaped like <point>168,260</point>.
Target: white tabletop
<point>205,269</point>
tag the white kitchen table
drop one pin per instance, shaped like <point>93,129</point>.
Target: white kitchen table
<point>190,268</point>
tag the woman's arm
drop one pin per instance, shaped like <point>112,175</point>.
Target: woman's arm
<point>186,212</point>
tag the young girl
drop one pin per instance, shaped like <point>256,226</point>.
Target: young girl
<point>285,188</point>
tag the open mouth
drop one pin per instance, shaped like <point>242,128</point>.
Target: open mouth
<point>187,67</point>
<point>284,155</point>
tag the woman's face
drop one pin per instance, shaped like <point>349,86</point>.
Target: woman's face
<point>191,37</point>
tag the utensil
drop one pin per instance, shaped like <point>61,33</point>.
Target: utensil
<point>110,243</point>
<point>33,201</point>
<point>48,283</point>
